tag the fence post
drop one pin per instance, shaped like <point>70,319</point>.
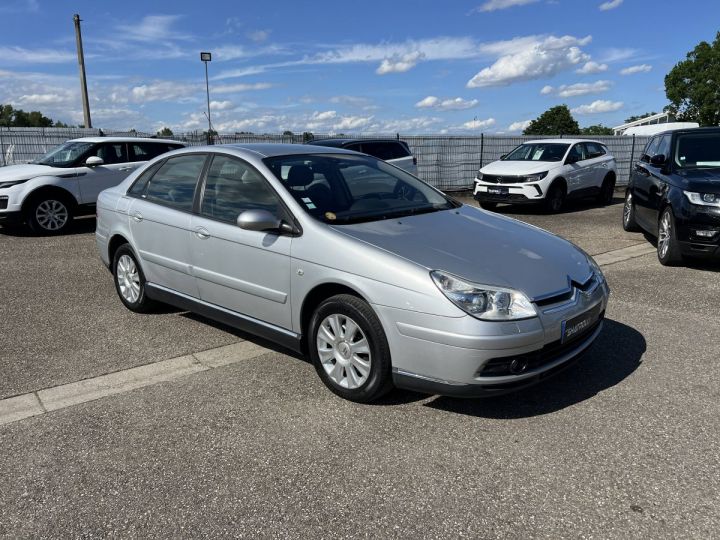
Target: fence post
<point>632,158</point>
<point>2,147</point>
<point>482,148</point>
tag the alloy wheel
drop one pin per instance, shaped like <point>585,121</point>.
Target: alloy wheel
<point>344,351</point>
<point>627,209</point>
<point>128,279</point>
<point>664,235</point>
<point>52,215</point>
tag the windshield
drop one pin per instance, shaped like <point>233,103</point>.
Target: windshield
<point>538,152</point>
<point>341,189</point>
<point>64,155</point>
<point>698,150</point>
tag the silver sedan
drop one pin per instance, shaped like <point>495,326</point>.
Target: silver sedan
<point>380,278</point>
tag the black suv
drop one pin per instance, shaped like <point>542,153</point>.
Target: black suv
<point>395,152</point>
<point>674,194</point>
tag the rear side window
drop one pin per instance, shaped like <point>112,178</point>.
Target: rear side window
<point>144,151</point>
<point>174,183</point>
<point>110,153</point>
<point>138,187</point>
<point>594,150</point>
<point>385,150</point>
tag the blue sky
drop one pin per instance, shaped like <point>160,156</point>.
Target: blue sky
<point>331,66</point>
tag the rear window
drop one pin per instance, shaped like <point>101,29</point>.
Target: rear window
<point>385,150</point>
<point>145,151</point>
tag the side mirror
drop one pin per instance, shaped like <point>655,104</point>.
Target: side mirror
<point>258,220</point>
<point>658,160</point>
<point>503,156</point>
<point>571,160</point>
<point>94,161</point>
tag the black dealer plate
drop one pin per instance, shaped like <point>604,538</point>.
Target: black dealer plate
<point>498,191</point>
<point>578,326</point>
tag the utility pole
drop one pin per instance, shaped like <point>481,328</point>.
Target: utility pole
<point>81,63</point>
<point>206,57</point>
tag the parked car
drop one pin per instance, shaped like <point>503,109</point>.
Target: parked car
<point>548,172</point>
<point>674,194</point>
<point>393,283</point>
<point>65,182</point>
<point>393,151</point>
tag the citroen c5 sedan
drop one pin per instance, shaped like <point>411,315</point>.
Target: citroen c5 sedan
<point>381,279</point>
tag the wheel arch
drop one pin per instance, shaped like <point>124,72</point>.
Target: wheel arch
<point>558,181</point>
<point>45,191</point>
<point>114,243</point>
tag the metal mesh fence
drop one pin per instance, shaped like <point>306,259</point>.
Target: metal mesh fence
<point>448,162</point>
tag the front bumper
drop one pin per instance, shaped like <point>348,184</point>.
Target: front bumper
<point>690,219</point>
<point>516,193</point>
<point>11,218</point>
<point>460,356</point>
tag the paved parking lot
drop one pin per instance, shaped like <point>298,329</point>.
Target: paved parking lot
<point>624,444</point>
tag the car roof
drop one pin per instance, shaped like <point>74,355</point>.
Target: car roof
<point>272,149</point>
<point>342,142</point>
<point>710,129</point>
<point>562,141</point>
<point>125,139</point>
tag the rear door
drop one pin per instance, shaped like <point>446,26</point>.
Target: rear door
<point>597,162</point>
<point>160,217</point>
<point>115,168</point>
<point>576,173</point>
<point>244,271</point>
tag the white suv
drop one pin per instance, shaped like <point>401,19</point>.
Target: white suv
<point>66,181</point>
<point>548,171</point>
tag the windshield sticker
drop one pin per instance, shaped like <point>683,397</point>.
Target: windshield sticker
<point>538,154</point>
<point>330,216</point>
<point>308,202</point>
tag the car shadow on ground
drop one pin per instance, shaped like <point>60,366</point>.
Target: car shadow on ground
<point>570,207</point>
<point>693,263</point>
<point>81,225</point>
<point>615,355</point>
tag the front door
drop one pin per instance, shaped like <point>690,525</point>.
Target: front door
<point>115,168</point>
<point>243,271</point>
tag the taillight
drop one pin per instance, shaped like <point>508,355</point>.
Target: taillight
<point>414,160</point>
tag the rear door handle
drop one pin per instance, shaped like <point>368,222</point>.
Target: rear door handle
<point>202,233</point>
<point>137,216</point>
<point>126,169</point>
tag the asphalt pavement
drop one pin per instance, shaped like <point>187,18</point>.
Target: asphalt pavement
<point>624,444</point>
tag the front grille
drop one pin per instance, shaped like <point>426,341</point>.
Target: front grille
<point>498,367</point>
<point>567,295</point>
<point>495,179</point>
<point>3,203</point>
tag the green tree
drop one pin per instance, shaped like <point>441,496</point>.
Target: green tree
<point>596,130</point>
<point>555,121</point>
<point>287,133</point>
<point>639,117</point>
<point>165,132</point>
<point>693,85</point>
<point>12,117</point>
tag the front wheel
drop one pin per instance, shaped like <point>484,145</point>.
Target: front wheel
<point>668,249</point>
<point>554,199</point>
<point>49,214</point>
<point>349,349</point>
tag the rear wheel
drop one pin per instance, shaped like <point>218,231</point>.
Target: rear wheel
<point>49,214</point>
<point>607,191</point>
<point>629,223</point>
<point>349,349</point>
<point>668,249</point>
<point>555,198</point>
<point>130,280</point>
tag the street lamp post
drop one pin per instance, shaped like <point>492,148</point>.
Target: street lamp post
<point>206,57</point>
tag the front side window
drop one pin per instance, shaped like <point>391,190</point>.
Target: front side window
<point>697,150</point>
<point>232,187</point>
<point>64,155</point>
<point>650,149</point>
<point>664,146</point>
<point>339,189</point>
<point>538,152</point>
<point>577,152</point>
<point>174,183</point>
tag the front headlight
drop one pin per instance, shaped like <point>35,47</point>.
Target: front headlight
<point>484,302</point>
<point>479,176</point>
<point>595,268</point>
<point>703,199</point>
<point>536,177</point>
<point>11,183</point>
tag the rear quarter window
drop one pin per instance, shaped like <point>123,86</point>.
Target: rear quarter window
<point>385,150</point>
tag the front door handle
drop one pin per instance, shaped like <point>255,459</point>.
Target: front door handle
<point>137,216</point>
<point>202,233</point>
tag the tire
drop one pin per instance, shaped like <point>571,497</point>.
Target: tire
<point>130,281</point>
<point>668,248</point>
<point>629,223</point>
<point>607,190</point>
<point>350,369</point>
<point>49,214</point>
<point>554,199</point>
<point>488,205</point>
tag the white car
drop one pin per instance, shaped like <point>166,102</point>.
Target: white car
<point>548,171</point>
<point>66,181</point>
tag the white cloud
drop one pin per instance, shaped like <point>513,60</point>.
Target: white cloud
<point>478,124</point>
<point>399,64</point>
<point>577,89</point>
<point>163,91</point>
<point>592,67</point>
<point>409,125</point>
<point>456,104</point>
<point>352,101</point>
<point>352,122</point>
<point>234,88</point>
<point>221,105</point>
<point>20,55</point>
<point>599,106</point>
<point>519,126</point>
<point>325,115</point>
<point>233,52</point>
<point>543,57</point>
<point>258,36</point>
<point>610,4</point>
<point>642,68</point>
<point>494,5</point>
<point>615,54</point>
<point>152,28</point>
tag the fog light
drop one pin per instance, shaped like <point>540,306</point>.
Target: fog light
<point>705,234</point>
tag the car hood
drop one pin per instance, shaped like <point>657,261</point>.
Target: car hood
<point>481,247</point>
<point>519,168</point>
<point>700,180</point>
<point>26,172</point>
